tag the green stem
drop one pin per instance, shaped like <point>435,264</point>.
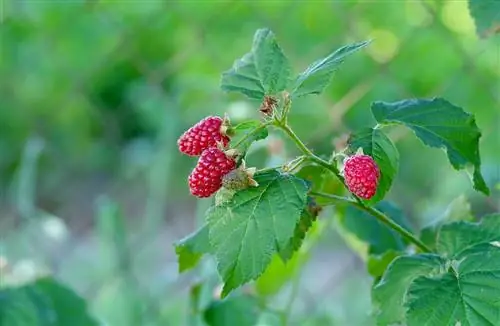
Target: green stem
<point>379,216</point>
<point>356,202</point>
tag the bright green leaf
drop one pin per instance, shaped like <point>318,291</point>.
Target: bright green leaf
<point>459,238</point>
<point>246,133</point>
<point>190,249</point>
<point>305,222</point>
<point>389,294</point>
<point>366,228</point>
<point>486,14</point>
<point>468,294</point>
<point>43,302</point>
<point>376,144</point>
<point>277,274</point>
<point>241,310</point>
<point>377,264</point>
<point>438,123</point>
<point>319,74</point>
<point>254,225</point>
<point>263,71</point>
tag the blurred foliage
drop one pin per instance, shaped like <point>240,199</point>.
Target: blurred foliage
<point>95,94</point>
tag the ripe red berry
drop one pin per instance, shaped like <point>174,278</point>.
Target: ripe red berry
<point>206,177</point>
<point>202,135</point>
<point>361,175</point>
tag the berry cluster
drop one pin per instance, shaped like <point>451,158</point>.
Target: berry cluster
<point>361,175</point>
<point>207,138</point>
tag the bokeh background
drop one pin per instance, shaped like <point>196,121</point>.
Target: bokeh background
<point>94,95</point>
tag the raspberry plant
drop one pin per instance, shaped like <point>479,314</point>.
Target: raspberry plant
<point>446,274</point>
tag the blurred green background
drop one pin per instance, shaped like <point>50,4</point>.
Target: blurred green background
<point>94,95</point>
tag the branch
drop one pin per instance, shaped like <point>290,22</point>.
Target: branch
<point>379,216</point>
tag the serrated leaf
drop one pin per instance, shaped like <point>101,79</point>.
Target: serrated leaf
<point>377,145</point>
<point>389,294</point>
<point>43,302</point>
<point>486,14</point>
<point>263,71</point>
<point>253,130</point>
<point>241,310</point>
<point>468,294</point>
<point>255,224</point>
<point>277,274</point>
<point>318,75</point>
<point>460,238</point>
<point>377,264</point>
<point>366,228</point>
<point>438,123</point>
<point>190,249</point>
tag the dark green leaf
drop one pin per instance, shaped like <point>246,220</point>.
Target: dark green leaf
<point>389,294</point>
<point>319,74</point>
<point>486,14</point>
<point>272,66</point>
<point>467,294</point>
<point>254,225</point>
<point>43,302</point>
<point>377,264</point>
<point>460,238</point>
<point>246,133</point>
<point>244,78</point>
<point>366,228</point>
<point>438,123</point>
<point>190,249</point>
<point>376,144</point>
<point>263,71</point>
<point>241,310</point>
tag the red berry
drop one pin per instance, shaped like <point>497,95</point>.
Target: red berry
<point>206,177</point>
<point>202,135</point>
<point>361,175</point>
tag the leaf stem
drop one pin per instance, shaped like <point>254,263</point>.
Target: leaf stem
<point>379,216</point>
<point>356,201</point>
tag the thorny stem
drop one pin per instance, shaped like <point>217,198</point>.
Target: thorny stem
<point>356,201</point>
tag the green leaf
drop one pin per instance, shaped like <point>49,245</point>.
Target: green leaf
<point>468,294</point>
<point>246,133</point>
<point>321,180</point>
<point>377,264</point>
<point>458,210</point>
<point>438,123</point>
<point>376,144</point>
<point>241,310</point>
<point>318,75</point>
<point>459,238</point>
<point>256,223</point>
<point>43,302</point>
<point>306,220</point>
<point>366,228</point>
<point>244,78</point>
<point>389,294</point>
<point>190,249</point>
<point>263,71</point>
<point>277,274</point>
<point>486,14</point>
